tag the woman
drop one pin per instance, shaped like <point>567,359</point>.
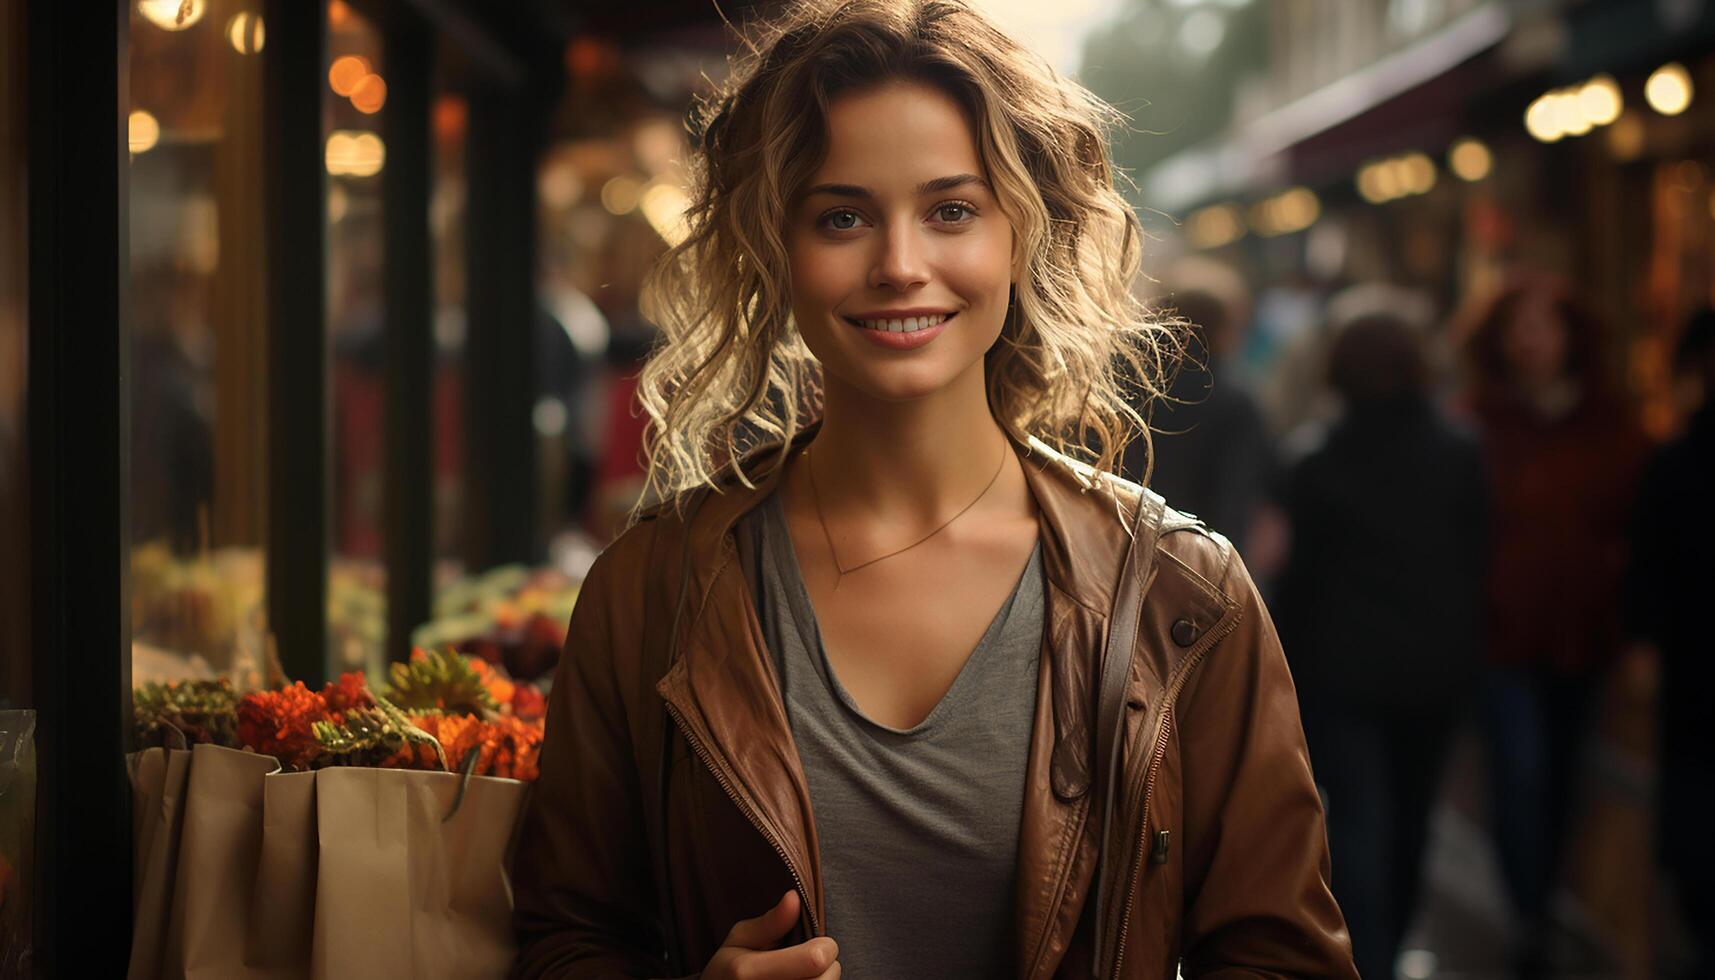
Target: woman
<point>1563,455</point>
<point>906,281</point>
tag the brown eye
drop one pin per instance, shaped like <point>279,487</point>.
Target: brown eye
<point>953,214</point>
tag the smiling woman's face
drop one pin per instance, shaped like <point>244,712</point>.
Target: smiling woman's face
<point>897,229</point>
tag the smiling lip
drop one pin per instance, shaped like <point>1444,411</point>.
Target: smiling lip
<point>901,314</point>
<point>902,341</point>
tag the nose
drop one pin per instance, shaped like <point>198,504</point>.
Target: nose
<point>901,262</point>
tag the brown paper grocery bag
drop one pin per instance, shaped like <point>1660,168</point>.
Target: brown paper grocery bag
<point>158,781</point>
<point>401,893</point>
<point>283,901</point>
<point>223,925</point>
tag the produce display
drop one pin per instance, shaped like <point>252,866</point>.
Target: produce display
<point>194,607</point>
<point>512,617</point>
<point>200,616</point>
<point>357,616</point>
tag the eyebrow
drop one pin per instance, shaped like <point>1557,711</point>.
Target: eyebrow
<point>934,186</point>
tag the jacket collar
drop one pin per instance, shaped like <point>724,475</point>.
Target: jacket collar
<point>723,687</point>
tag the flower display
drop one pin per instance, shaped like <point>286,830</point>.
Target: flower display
<point>443,711</point>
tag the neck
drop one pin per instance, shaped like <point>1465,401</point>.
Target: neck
<point>909,460</point>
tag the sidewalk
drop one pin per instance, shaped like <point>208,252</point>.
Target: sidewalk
<point>1610,904</point>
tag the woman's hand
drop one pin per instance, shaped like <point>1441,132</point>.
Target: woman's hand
<point>748,952</point>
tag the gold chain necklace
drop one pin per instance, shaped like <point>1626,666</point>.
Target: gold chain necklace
<point>816,496</point>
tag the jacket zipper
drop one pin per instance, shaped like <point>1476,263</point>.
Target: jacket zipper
<point>1149,787</point>
<point>1155,760</point>
<point>744,805</point>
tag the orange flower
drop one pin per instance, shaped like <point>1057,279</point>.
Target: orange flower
<point>506,747</point>
<point>499,687</point>
<point>519,743</point>
<point>415,756</point>
<point>350,691</point>
<point>458,734</point>
<point>528,703</point>
<point>277,723</point>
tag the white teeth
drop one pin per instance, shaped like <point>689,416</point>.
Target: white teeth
<point>906,325</point>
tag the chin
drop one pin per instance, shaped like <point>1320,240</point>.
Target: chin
<point>889,377</point>
<point>901,385</point>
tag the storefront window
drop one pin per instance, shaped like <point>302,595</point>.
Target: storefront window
<point>611,196</point>
<point>198,342</point>
<point>353,100</point>
<point>449,122</point>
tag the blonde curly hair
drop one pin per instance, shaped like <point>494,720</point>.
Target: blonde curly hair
<point>730,373</point>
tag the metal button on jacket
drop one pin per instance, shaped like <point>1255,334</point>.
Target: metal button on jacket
<point>1185,632</point>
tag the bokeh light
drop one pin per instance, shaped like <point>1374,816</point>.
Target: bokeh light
<point>143,131</point>
<point>346,72</point>
<point>622,194</point>
<point>1214,226</point>
<point>1287,212</point>
<point>1470,160</point>
<point>1668,90</point>
<point>172,15</point>
<point>245,33</point>
<point>1600,100</point>
<point>370,94</point>
<point>355,154</point>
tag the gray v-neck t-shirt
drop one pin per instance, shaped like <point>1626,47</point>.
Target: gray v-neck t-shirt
<point>918,827</point>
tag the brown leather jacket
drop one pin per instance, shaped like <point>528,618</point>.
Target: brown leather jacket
<point>1220,859</point>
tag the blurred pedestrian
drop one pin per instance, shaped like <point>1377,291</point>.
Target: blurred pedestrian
<point>1672,575</point>
<point>618,477</point>
<point>1291,379</point>
<point>1563,453</point>
<point>1379,606</point>
<point>1212,452</point>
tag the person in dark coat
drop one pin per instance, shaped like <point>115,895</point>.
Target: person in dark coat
<point>1668,586</point>
<point>1379,606</point>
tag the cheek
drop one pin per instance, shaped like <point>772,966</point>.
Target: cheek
<point>980,271</point>
<point>821,277</point>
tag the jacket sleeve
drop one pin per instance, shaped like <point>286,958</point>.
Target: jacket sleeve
<point>1257,895</point>
<point>584,898</point>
